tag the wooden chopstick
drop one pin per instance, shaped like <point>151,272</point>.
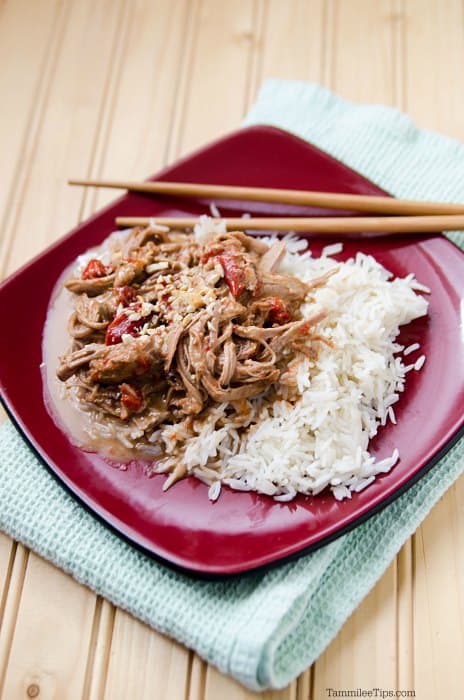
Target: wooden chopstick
<point>339,225</point>
<point>329,200</point>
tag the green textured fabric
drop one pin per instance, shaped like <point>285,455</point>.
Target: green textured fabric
<point>266,628</point>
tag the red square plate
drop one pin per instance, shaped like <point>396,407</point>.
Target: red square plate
<point>242,531</point>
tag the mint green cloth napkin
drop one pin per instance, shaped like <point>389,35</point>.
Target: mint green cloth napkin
<point>266,628</point>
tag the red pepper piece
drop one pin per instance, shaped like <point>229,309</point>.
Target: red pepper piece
<point>131,397</point>
<point>126,295</point>
<point>233,274</point>
<point>121,325</point>
<point>166,299</point>
<point>211,253</point>
<point>278,313</point>
<point>95,268</point>
<point>305,328</point>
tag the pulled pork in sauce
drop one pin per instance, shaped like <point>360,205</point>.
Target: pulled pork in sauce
<point>171,327</point>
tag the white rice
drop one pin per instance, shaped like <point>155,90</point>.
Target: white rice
<point>214,210</point>
<point>332,249</point>
<point>322,440</point>
<point>410,349</point>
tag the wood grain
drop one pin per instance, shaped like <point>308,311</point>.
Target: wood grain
<point>121,87</point>
<point>30,44</point>
<point>216,90</point>
<point>439,632</point>
<point>22,112</point>
<point>434,97</point>
<point>361,50</point>
<point>56,641</point>
<point>139,124</point>
<point>135,647</point>
<point>99,650</point>
<point>219,686</point>
<point>11,602</point>
<point>301,57</point>
<point>370,633</point>
<point>68,125</point>
<point>5,563</point>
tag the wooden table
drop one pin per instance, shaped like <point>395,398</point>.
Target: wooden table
<point>119,88</point>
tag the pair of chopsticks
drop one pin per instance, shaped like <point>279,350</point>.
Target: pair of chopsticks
<point>397,215</point>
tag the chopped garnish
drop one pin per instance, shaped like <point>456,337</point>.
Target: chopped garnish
<point>233,273</point>
<point>131,397</point>
<point>126,295</point>
<point>129,322</point>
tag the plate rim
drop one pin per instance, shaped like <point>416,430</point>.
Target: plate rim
<point>205,571</point>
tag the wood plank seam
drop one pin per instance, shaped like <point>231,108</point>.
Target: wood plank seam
<point>116,62</point>
<point>312,672</point>
<point>417,545</point>
<point>180,90</point>
<point>186,68</point>
<point>6,586</point>
<point>397,625</point>
<point>95,633</point>
<point>402,46</point>
<point>328,44</point>
<point>11,609</point>
<point>188,674</point>
<point>101,639</point>
<point>455,525</point>
<point>411,612</point>
<point>401,573</point>
<point>255,57</point>
<point>394,18</point>
<point>31,137</point>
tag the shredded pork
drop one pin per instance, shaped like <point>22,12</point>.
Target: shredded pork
<point>172,327</point>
